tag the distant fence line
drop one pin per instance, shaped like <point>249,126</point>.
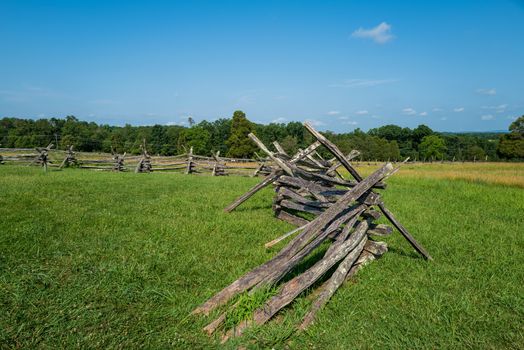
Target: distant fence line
<point>188,163</point>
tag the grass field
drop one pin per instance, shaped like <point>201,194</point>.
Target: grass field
<point>119,260</point>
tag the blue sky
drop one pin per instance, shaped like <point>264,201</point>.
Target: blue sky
<point>452,65</point>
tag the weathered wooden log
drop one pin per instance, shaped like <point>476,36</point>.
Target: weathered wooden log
<point>284,236</point>
<point>336,164</point>
<point>184,167</point>
<point>331,285</point>
<point>277,160</point>
<point>267,181</point>
<point>189,167</point>
<point>308,150</point>
<point>291,289</point>
<point>355,193</point>
<point>282,268</point>
<point>366,257</point>
<point>372,214</point>
<point>290,218</point>
<point>380,230</point>
<point>279,148</point>
<point>333,149</point>
<point>389,215</point>
<point>284,192</point>
<point>300,207</point>
<point>331,180</point>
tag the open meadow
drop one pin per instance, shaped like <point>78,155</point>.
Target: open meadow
<point>119,260</point>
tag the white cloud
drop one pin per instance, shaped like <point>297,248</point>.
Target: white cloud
<point>279,120</point>
<point>333,112</point>
<point>350,122</point>
<point>409,111</point>
<point>497,109</point>
<point>443,118</point>
<point>343,118</point>
<point>362,112</point>
<point>348,83</point>
<point>458,109</point>
<point>315,122</point>
<point>490,92</point>
<point>380,34</point>
<point>423,114</point>
<point>487,117</point>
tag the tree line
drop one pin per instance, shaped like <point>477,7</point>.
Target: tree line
<point>229,136</point>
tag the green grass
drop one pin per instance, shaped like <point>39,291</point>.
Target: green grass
<point>97,260</point>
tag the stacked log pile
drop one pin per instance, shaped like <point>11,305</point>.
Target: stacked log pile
<point>219,168</point>
<point>327,208</point>
<point>70,158</point>
<point>118,162</point>
<point>144,164</point>
<point>42,158</point>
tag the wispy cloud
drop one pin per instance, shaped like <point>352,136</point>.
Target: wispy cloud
<point>279,120</point>
<point>380,34</point>
<point>437,109</point>
<point>333,113</point>
<point>443,118</point>
<point>490,92</point>
<point>423,114</point>
<point>350,122</point>
<point>497,109</point>
<point>315,122</point>
<point>349,83</point>
<point>343,118</point>
<point>458,109</point>
<point>362,112</point>
<point>487,117</point>
<point>409,111</point>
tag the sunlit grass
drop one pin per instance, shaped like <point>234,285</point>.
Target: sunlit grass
<point>509,174</point>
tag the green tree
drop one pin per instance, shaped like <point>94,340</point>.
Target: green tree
<point>195,137</point>
<point>517,126</point>
<point>432,147</point>
<point>511,146</point>
<point>238,142</point>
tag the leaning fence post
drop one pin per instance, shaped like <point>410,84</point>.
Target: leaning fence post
<point>189,168</point>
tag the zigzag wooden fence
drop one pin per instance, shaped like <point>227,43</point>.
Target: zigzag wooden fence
<point>188,163</point>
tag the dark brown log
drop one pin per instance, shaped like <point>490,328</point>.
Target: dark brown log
<point>268,180</point>
<point>389,215</point>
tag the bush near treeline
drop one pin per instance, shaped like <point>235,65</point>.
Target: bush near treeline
<point>229,136</point>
